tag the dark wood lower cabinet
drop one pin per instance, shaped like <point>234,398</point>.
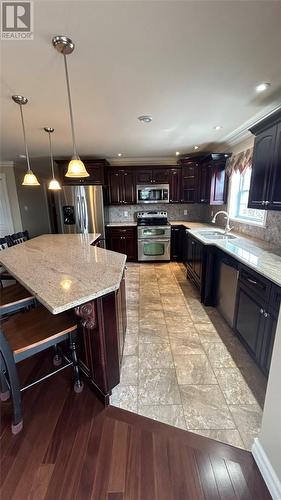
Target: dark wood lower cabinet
<point>177,234</point>
<point>255,322</point>
<point>122,239</point>
<point>103,329</point>
<point>193,257</point>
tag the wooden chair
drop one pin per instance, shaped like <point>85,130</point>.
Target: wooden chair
<point>4,275</point>
<point>25,335</point>
<point>13,298</point>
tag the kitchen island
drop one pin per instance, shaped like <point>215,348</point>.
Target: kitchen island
<point>68,271</point>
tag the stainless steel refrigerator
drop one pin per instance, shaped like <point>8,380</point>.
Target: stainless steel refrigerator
<point>80,209</point>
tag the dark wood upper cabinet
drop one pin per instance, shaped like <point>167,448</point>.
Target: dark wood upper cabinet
<point>274,191</point>
<point>204,183</point>
<point>265,188</point>
<point>190,182</point>
<point>175,182</point>
<point>144,176</point>
<point>96,169</point>
<point>122,189</point>
<point>161,175</point>
<point>262,163</point>
<point>218,193</point>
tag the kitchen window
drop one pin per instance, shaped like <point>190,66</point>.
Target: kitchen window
<point>238,200</point>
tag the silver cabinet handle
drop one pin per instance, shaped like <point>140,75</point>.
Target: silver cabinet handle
<point>266,315</point>
<point>253,282</point>
<point>261,311</point>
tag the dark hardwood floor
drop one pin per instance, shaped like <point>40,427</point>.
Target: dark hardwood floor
<point>72,448</point>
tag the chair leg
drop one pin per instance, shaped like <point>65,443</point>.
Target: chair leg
<point>78,383</point>
<point>4,387</point>
<point>8,358</point>
<point>57,358</point>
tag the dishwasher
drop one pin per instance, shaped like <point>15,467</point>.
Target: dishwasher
<point>227,288</point>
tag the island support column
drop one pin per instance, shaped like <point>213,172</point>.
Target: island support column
<point>103,326</point>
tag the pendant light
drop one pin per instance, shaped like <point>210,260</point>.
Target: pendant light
<point>54,184</point>
<point>29,179</point>
<point>76,167</point>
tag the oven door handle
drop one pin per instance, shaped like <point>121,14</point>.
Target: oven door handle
<point>154,240</point>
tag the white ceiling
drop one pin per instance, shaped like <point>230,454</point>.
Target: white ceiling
<point>190,64</point>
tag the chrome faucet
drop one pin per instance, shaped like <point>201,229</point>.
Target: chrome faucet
<point>227,228</point>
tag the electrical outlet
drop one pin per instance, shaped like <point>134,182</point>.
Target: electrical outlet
<point>125,213</point>
<point>185,212</point>
<point>212,213</point>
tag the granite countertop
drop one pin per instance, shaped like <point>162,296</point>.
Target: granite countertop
<point>63,270</point>
<point>258,255</point>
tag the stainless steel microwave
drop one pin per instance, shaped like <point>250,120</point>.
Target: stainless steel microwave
<point>157,193</point>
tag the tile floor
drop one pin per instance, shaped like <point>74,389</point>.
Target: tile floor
<point>182,364</point>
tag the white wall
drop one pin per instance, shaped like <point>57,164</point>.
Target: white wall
<point>270,436</point>
<point>7,168</point>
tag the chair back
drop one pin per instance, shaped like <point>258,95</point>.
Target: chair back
<point>20,237</point>
<point>5,242</point>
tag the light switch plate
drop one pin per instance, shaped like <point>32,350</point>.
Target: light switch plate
<point>185,212</point>
<point>125,213</point>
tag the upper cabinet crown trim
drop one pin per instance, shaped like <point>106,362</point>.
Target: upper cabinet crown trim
<point>269,121</point>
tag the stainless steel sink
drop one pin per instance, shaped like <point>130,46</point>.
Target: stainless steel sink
<point>216,235</point>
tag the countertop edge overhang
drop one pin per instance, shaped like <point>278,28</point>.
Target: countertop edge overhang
<point>114,285</point>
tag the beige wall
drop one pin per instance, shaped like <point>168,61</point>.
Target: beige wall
<point>7,168</point>
<point>270,436</point>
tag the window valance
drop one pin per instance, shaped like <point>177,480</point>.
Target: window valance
<point>239,162</point>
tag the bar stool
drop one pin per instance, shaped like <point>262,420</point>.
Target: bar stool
<point>25,335</point>
<point>13,298</point>
<point>5,242</point>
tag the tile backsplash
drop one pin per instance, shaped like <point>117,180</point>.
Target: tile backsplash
<point>194,212</point>
<point>270,233</point>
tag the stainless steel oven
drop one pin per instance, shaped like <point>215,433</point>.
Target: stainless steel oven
<point>154,243</point>
<point>158,193</point>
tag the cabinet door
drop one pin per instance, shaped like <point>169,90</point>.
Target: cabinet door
<point>115,188</point>
<point>129,187</point>
<point>197,258</point>
<point>267,343</point>
<point>175,185</point>
<point>160,175</point>
<point>249,322</point>
<point>176,243</point>
<point>190,183</point>
<point>274,193</point>
<point>204,184</point>
<point>144,176</point>
<point>130,249</point>
<point>262,163</point>
<point>218,192</point>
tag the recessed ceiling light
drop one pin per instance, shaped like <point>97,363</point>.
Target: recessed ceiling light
<point>262,87</point>
<point>196,147</point>
<point>119,154</point>
<point>217,127</point>
<point>177,153</point>
<point>145,118</point>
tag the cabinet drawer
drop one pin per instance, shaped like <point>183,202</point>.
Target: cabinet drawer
<point>129,232</point>
<point>256,283</point>
<point>275,298</point>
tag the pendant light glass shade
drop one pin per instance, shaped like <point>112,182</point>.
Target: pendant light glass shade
<point>30,179</point>
<point>76,167</point>
<point>54,185</point>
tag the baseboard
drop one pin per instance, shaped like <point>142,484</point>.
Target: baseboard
<point>268,473</point>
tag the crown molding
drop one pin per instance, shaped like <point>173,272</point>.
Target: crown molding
<point>160,160</point>
<point>242,133</point>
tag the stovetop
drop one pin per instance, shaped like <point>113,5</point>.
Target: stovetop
<point>152,218</point>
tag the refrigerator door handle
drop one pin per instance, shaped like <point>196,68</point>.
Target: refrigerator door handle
<point>84,213</point>
<point>79,213</point>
